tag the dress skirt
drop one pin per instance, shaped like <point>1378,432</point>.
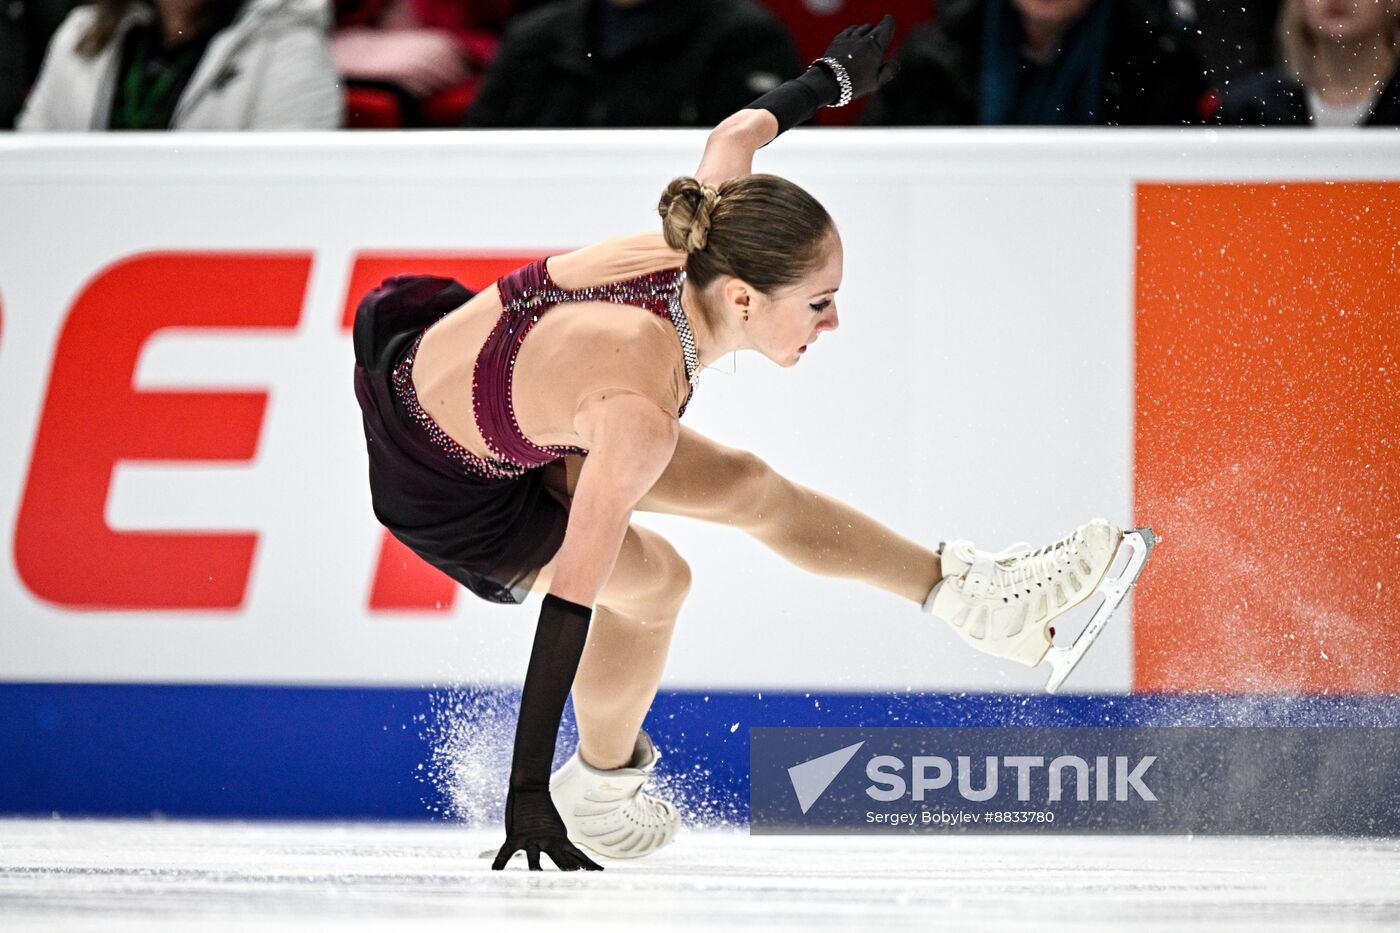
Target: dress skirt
<point>491,535</point>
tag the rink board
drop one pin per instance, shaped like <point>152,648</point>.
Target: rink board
<point>314,752</point>
<point>1184,329</point>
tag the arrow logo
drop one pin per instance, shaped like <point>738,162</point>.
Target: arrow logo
<point>811,778</point>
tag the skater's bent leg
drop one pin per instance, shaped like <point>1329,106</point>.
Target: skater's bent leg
<point>627,645</point>
<point>628,640</point>
<point>810,529</point>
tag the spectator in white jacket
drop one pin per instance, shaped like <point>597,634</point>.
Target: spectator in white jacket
<point>189,65</point>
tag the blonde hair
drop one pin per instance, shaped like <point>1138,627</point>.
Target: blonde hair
<point>1298,45</point>
<point>759,228</point>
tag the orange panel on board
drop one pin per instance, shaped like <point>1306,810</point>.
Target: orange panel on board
<point>1267,426</point>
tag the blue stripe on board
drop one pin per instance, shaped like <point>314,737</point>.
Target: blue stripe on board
<point>305,752</point>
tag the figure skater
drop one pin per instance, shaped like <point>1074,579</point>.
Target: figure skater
<point>513,433</point>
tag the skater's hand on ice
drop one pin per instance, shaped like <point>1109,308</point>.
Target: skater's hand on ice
<point>532,824</point>
<point>861,50</point>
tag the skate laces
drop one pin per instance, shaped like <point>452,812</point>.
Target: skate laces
<point>1018,565</point>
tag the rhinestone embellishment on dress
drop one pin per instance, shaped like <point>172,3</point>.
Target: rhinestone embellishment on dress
<point>525,302</point>
<point>678,318</point>
<point>408,395</point>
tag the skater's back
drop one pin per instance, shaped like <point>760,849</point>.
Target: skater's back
<point>573,352</point>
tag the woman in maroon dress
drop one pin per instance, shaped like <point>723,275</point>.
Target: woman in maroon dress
<point>513,433</point>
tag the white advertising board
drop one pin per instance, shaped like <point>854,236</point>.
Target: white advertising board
<point>980,386</point>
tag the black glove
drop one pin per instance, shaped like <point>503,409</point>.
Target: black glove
<point>860,50</point>
<point>532,823</point>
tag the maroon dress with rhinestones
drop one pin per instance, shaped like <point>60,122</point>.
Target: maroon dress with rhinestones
<point>488,523</point>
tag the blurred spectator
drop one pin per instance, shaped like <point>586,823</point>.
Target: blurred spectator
<point>1046,62</point>
<point>189,65</point>
<point>1235,38</point>
<point>25,29</point>
<point>422,46</point>
<point>596,63</point>
<point>1340,62</point>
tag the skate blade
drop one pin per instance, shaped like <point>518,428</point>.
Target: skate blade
<point>1140,542</point>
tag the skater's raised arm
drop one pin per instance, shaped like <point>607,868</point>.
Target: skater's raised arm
<point>730,146</point>
<point>854,65</point>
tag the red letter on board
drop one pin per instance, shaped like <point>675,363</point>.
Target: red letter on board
<point>93,418</point>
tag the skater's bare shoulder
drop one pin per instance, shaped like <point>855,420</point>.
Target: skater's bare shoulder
<point>613,261</point>
<point>637,352</point>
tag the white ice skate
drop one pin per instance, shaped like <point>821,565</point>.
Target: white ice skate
<point>1005,603</point>
<point>608,812</point>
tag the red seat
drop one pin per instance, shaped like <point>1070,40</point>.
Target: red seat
<point>368,108</point>
<point>449,108</point>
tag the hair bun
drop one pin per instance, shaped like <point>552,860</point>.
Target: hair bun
<point>686,208</point>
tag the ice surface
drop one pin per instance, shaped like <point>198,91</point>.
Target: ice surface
<point>164,875</point>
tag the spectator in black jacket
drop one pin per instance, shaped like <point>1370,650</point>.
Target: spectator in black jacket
<point>1341,67</point>
<point>26,26</point>
<point>619,63</point>
<point>1046,62</point>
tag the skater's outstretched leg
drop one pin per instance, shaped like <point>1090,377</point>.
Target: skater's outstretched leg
<point>818,533</point>
<point>810,529</point>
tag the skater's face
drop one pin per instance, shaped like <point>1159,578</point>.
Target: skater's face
<point>1349,20</point>
<point>782,326</point>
